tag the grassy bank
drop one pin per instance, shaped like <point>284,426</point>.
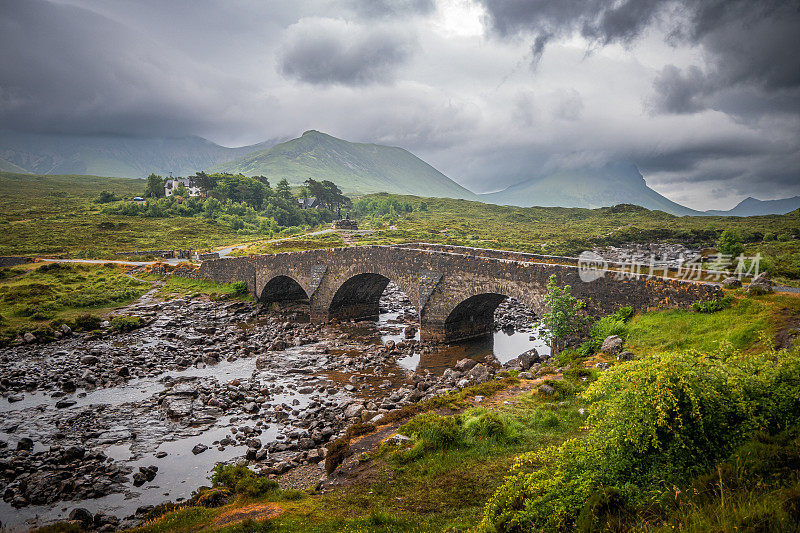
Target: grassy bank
<point>696,434</point>
<point>33,297</point>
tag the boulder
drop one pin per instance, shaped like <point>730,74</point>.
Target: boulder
<point>761,284</point>
<point>547,390</point>
<point>479,374</point>
<point>29,337</point>
<point>612,345</point>
<point>731,282</point>
<point>353,410</point>
<point>626,356</point>
<point>465,364</point>
<point>79,514</point>
<point>199,448</point>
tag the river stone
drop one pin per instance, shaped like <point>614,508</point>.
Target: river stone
<point>612,345</point>
<point>547,390</point>
<point>731,282</point>
<point>199,448</point>
<point>353,410</point>
<point>479,374</point>
<point>761,284</point>
<point>29,337</point>
<point>79,514</point>
<point>89,360</point>
<point>25,443</point>
<point>465,364</point>
<point>626,356</point>
<point>66,402</point>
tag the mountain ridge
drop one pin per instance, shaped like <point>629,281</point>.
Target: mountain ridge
<point>754,207</point>
<point>355,167</point>
<point>112,156</point>
<point>589,187</point>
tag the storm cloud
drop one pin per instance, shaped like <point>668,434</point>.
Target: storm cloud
<point>703,95</point>
<point>325,51</point>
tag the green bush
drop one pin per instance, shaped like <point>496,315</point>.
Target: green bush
<point>433,431</point>
<point>124,323</point>
<point>239,288</point>
<point>85,322</point>
<point>654,423</point>
<point>712,306</point>
<point>607,326</point>
<point>482,424</point>
<point>241,480</point>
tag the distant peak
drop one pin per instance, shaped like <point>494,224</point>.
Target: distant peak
<point>312,133</point>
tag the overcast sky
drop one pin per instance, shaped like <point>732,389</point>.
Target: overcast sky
<point>704,96</point>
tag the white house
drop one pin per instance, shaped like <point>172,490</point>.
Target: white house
<point>172,183</point>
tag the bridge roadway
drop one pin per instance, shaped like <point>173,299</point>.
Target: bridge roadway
<point>454,289</point>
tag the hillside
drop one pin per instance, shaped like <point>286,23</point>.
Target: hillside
<point>355,167</point>
<point>127,157</point>
<point>612,184</point>
<point>750,207</point>
<point>8,166</point>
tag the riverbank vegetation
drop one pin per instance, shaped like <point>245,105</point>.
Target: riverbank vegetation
<point>697,435</point>
<point>38,298</point>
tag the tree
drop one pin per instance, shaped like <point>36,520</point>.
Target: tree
<point>155,187</point>
<point>565,316</point>
<point>283,190</point>
<point>181,191</point>
<point>205,182</point>
<point>730,243</point>
<point>106,197</point>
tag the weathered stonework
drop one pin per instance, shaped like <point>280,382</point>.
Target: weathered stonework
<point>454,289</point>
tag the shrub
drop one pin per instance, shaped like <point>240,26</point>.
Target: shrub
<point>125,323</point>
<point>730,243</point>
<point>482,424</point>
<point>654,423</point>
<point>433,431</point>
<point>338,450</point>
<point>712,306</point>
<point>85,322</point>
<point>239,288</point>
<point>607,326</point>
<point>356,430</point>
<point>241,480</point>
<point>605,510</point>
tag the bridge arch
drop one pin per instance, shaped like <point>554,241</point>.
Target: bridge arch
<point>284,293</point>
<point>359,296</point>
<point>471,314</point>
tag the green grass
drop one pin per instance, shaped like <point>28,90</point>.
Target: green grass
<point>61,291</point>
<point>741,326</point>
<point>296,244</point>
<point>176,285</point>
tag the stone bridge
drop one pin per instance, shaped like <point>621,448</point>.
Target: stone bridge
<point>454,289</point>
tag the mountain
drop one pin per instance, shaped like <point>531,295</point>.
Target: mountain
<point>591,187</point>
<point>355,167</point>
<point>127,157</point>
<point>8,166</point>
<point>750,207</point>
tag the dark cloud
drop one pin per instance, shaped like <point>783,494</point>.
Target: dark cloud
<point>601,21</point>
<point>331,51</point>
<point>392,8</point>
<point>679,92</point>
<point>66,69</point>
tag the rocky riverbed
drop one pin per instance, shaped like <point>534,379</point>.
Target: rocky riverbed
<point>114,424</point>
